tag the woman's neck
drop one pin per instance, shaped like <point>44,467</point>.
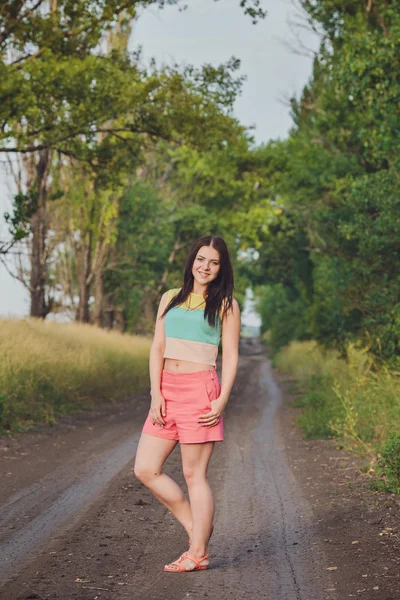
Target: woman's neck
<point>198,289</point>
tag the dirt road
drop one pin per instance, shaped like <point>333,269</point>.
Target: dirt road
<point>75,524</point>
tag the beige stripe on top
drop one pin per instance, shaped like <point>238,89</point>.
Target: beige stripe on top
<point>198,352</point>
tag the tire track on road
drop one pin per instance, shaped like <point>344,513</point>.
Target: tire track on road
<point>57,501</point>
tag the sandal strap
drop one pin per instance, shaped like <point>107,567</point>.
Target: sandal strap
<point>177,563</point>
<point>196,561</point>
<point>180,559</point>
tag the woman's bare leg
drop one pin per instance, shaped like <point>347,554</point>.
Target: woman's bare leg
<point>195,459</point>
<point>151,455</point>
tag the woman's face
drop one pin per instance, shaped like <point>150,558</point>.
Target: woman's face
<point>206,265</point>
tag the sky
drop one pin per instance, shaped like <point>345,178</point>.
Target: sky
<point>212,32</point>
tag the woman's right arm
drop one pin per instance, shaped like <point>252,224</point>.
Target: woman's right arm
<point>157,408</point>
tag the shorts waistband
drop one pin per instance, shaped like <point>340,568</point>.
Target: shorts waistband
<point>210,373</point>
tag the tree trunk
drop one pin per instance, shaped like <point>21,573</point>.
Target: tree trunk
<point>177,246</point>
<point>40,307</point>
<point>98,298</point>
<point>109,317</point>
<point>147,312</point>
<point>84,283</point>
<point>120,321</point>
<point>84,271</point>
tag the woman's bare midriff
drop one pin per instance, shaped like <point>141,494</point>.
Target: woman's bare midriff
<point>184,366</point>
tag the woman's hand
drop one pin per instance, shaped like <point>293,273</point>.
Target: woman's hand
<point>212,418</point>
<point>157,409</point>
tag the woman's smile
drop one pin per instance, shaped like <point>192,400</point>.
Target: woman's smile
<point>207,258</point>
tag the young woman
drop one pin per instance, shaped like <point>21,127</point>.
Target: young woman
<point>187,398</point>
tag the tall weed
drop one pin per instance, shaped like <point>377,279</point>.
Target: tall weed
<point>349,399</point>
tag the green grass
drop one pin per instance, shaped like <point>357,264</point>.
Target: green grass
<point>50,369</point>
<point>349,399</point>
<point>320,407</point>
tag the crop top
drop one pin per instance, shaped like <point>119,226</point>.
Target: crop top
<point>188,335</point>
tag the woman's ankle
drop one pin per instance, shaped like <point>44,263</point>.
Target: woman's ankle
<point>198,551</point>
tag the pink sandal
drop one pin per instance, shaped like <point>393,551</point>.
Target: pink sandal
<point>177,567</point>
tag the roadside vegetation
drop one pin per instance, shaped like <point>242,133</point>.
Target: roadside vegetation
<point>120,166</point>
<point>50,369</point>
<point>327,268</point>
<point>352,399</point>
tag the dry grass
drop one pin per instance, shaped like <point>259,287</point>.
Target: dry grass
<point>49,369</point>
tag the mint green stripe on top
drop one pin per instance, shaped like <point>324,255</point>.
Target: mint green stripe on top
<point>190,325</point>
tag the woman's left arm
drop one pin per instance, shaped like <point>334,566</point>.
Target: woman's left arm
<point>230,352</point>
<point>230,357</point>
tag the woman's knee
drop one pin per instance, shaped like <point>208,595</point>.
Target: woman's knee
<point>194,476</point>
<point>145,473</point>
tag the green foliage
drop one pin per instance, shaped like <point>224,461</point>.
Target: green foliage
<point>321,408</point>
<point>71,90</point>
<point>69,83</point>
<point>351,400</point>
<point>390,462</point>
<point>144,239</point>
<point>334,184</point>
<point>184,193</point>
<point>280,315</point>
<point>25,205</point>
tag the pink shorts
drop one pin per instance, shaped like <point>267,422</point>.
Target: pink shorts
<point>187,396</point>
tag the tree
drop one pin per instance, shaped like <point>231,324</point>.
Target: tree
<point>63,96</point>
<point>336,181</point>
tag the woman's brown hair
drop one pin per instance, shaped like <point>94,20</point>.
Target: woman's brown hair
<point>219,291</point>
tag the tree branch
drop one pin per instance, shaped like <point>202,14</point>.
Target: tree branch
<point>5,247</point>
<point>26,57</point>
<point>76,133</point>
<point>14,276</point>
<point>381,21</point>
<point>16,17</point>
